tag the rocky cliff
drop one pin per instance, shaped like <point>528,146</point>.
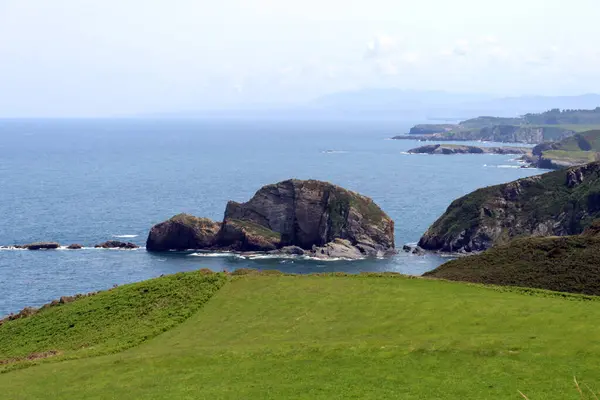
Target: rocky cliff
<point>558,203</point>
<point>317,217</point>
<point>492,133</point>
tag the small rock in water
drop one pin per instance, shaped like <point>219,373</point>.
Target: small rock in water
<point>40,246</point>
<point>115,244</point>
<point>289,250</point>
<point>418,251</point>
<point>75,246</point>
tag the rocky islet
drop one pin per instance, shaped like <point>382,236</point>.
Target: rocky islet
<point>308,217</point>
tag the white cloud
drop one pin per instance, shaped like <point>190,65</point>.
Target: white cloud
<point>411,58</point>
<point>381,45</point>
<point>545,57</point>
<point>461,48</point>
<point>488,40</point>
<point>387,67</point>
<point>498,52</point>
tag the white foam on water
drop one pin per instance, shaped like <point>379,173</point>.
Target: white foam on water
<point>501,166</point>
<point>218,254</point>
<point>508,166</point>
<point>334,152</point>
<point>10,248</point>
<point>125,236</point>
<point>283,257</point>
<point>329,259</point>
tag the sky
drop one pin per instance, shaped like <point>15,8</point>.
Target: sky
<point>116,57</point>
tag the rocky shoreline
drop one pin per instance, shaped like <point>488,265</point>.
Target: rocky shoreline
<point>111,244</point>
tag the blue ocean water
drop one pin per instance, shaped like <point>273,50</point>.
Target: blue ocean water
<point>88,181</point>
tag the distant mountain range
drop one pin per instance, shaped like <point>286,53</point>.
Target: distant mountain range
<point>397,104</point>
<point>445,105</point>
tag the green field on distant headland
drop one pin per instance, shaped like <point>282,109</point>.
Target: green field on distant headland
<point>331,337</point>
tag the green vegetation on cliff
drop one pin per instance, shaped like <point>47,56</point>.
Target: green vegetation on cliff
<point>560,203</point>
<point>256,229</point>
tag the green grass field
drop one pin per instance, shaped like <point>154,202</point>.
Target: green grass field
<point>577,127</point>
<point>307,337</point>
<point>578,157</point>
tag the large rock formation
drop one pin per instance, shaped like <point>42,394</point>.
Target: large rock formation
<point>321,218</point>
<point>558,203</point>
<point>183,232</point>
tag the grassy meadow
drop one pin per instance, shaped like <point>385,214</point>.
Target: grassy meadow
<point>306,337</point>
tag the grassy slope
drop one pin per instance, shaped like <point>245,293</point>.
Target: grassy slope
<point>109,321</point>
<point>579,149</point>
<point>574,127</point>
<point>569,264</point>
<point>575,157</point>
<point>345,337</point>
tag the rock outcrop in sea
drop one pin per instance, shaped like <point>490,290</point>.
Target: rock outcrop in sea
<point>40,246</point>
<point>558,203</point>
<point>463,149</point>
<point>308,217</point>
<point>115,244</point>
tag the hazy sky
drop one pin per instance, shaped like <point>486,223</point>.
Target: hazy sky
<point>84,57</point>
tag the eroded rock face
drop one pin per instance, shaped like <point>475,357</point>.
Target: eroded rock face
<point>183,232</point>
<point>305,214</point>
<point>558,203</point>
<point>314,213</point>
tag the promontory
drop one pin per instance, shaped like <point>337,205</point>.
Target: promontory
<point>558,203</point>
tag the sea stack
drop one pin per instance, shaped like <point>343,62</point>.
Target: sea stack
<point>321,219</point>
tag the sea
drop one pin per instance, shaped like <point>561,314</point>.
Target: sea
<point>86,181</point>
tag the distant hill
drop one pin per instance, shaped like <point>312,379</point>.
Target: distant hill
<point>536,104</point>
<point>549,126</point>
